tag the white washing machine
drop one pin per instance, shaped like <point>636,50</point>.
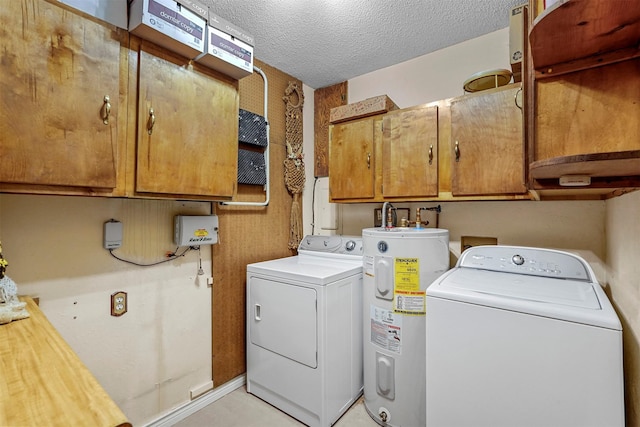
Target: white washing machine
<point>304,329</point>
<point>522,337</point>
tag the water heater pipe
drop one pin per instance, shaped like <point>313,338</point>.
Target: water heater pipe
<point>266,153</point>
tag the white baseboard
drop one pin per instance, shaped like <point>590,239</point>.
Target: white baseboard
<point>195,405</point>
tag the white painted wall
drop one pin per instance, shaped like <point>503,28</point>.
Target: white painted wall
<point>623,255</point>
<point>150,358</point>
<point>438,75</point>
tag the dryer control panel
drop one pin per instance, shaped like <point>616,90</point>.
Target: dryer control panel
<point>531,261</point>
<point>346,245</point>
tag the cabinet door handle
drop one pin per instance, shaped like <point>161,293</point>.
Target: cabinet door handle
<point>431,154</point>
<point>368,160</point>
<point>515,98</point>
<point>456,149</point>
<point>151,121</point>
<point>106,110</point>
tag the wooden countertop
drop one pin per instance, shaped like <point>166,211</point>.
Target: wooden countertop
<point>43,382</point>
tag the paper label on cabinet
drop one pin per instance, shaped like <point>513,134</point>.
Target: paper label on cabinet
<point>176,19</point>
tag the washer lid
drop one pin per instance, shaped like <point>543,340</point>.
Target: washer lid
<point>523,287</point>
<point>564,299</point>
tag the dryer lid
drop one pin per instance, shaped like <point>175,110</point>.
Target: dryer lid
<point>308,269</point>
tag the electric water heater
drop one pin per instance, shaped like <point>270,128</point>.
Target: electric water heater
<point>399,264</point>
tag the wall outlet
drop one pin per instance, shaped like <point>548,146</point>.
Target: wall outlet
<point>118,303</point>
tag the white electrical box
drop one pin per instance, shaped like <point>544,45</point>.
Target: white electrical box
<point>195,230</point>
<point>575,180</point>
<point>112,234</point>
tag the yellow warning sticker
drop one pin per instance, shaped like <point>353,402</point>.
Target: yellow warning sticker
<point>407,296</point>
<point>201,232</point>
<point>407,274</point>
<point>409,302</point>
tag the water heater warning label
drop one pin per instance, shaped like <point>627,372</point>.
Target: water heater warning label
<point>386,329</point>
<point>407,274</point>
<point>409,302</point>
<point>407,296</point>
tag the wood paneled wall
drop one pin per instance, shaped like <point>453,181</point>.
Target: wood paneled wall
<point>324,100</point>
<point>249,234</point>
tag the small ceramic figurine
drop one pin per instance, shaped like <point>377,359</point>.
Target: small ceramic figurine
<point>11,308</point>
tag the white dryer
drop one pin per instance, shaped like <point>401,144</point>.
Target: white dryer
<point>522,337</point>
<point>304,329</point>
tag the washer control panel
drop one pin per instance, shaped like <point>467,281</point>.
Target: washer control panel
<point>523,260</point>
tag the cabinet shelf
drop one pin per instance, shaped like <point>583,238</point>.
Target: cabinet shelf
<point>614,164</point>
<point>573,35</point>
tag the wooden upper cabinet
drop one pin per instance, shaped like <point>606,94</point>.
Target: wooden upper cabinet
<point>410,153</point>
<point>488,145</point>
<point>60,86</point>
<point>593,111</point>
<point>187,141</point>
<point>584,114</point>
<point>352,159</point>
<point>574,35</point>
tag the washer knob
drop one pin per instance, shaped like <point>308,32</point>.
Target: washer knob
<point>517,259</point>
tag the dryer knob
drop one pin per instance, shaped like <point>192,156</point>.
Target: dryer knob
<point>517,259</point>
<point>351,245</point>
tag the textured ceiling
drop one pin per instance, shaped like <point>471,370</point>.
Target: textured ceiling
<point>323,42</point>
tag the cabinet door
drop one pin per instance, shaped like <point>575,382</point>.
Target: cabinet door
<point>588,112</point>
<point>351,159</point>
<point>187,130</point>
<point>410,153</point>
<point>57,69</point>
<point>488,145</point>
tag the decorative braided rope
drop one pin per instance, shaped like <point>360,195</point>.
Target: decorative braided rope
<point>293,165</point>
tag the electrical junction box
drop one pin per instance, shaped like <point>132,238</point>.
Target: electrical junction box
<point>195,230</point>
<point>112,234</point>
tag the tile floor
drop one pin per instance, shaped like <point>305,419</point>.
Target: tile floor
<point>241,409</point>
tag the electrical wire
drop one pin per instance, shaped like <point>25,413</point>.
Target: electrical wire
<point>200,270</point>
<point>171,257</point>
